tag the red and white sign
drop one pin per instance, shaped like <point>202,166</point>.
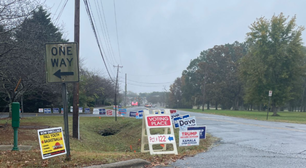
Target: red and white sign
<point>172,111</point>
<point>158,139</point>
<point>109,112</point>
<point>189,138</point>
<point>158,121</point>
<point>270,93</point>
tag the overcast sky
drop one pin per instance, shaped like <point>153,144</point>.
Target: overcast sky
<point>158,38</point>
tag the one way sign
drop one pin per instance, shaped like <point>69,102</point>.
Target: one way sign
<point>62,63</point>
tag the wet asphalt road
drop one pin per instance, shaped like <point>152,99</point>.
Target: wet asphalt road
<point>248,143</point>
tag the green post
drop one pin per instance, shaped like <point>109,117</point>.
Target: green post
<point>15,123</point>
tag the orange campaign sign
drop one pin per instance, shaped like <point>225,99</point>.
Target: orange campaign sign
<point>51,142</point>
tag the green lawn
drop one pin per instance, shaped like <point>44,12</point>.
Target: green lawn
<point>291,117</point>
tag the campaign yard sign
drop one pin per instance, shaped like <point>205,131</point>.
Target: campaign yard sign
<point>51,142</point>
<point>132,114</point>
<point>47,110</point>
<point>55,110</point>
<point>185,122</point>
<point>102,112</point>
<point>189,138</point>
<point>202,130</point>
<point>80,109</point>
<point>175,120</point>
<point>139,115</point>
<point>87,110</point>
<point>174,114</point>
<point>95,111</point>
<point>122,111</point>
<point>109,112</point>
<point>40,110</point>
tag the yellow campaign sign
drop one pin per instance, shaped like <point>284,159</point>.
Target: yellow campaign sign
<point>51,142</point>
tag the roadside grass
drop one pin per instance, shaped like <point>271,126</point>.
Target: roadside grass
<point>92,148</point>
<point>290,117</point>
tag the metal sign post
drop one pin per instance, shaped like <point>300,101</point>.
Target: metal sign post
<point>270,94</point>
<point>62,66</point>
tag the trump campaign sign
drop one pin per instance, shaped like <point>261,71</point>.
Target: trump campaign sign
<point>189,138</point>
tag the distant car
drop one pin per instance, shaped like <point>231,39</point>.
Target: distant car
<point>148,105</point>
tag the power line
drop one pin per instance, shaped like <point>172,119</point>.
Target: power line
<point>144,85</point>
<point>61,11</point>
<point>149,82</point>
<point>117,31</point>
<point>94,30</point>
<point>104,29</point>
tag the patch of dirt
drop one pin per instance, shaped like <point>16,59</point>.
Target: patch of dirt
<point>26,133</point>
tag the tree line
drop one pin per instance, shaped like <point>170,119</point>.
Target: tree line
<point>240,75</point>
<point>23,35</point>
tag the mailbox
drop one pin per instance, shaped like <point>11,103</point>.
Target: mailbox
<point>15,114</point>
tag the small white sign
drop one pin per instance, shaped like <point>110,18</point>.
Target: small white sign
<point>270,93</point>
<point>189,138</point>
<point>40,110</point>
<point>158,139</point>
<point>95,111</point>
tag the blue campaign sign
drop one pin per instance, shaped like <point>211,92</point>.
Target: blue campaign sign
<point>202,130</point>
<point>102,112</point>
<point>55,110</point>
<point>140,114</point>
<point>47,110</point>
<point>175,120</point>
<point>122,111</point>
<point>132,114</point>
<point>87,110</point>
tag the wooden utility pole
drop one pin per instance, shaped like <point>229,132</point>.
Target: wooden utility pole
<point>116,91</point>
<point>203,94</point>
<point>75,126</point>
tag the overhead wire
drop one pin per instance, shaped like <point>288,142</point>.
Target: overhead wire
<point>61,11</point>
<point>103,32</point>
<point>108,42</point>
<point>95,33</point>
<point>117,31</point>
<point>149,82</point>
<point>105,37</point>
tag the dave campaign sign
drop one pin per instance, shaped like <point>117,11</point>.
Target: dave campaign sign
<point>189,138</point>
<point>176,124</point>
<point>184,123</point>
<point>158,121</point>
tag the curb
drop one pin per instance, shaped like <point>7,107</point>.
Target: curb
<point>134,163</point>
